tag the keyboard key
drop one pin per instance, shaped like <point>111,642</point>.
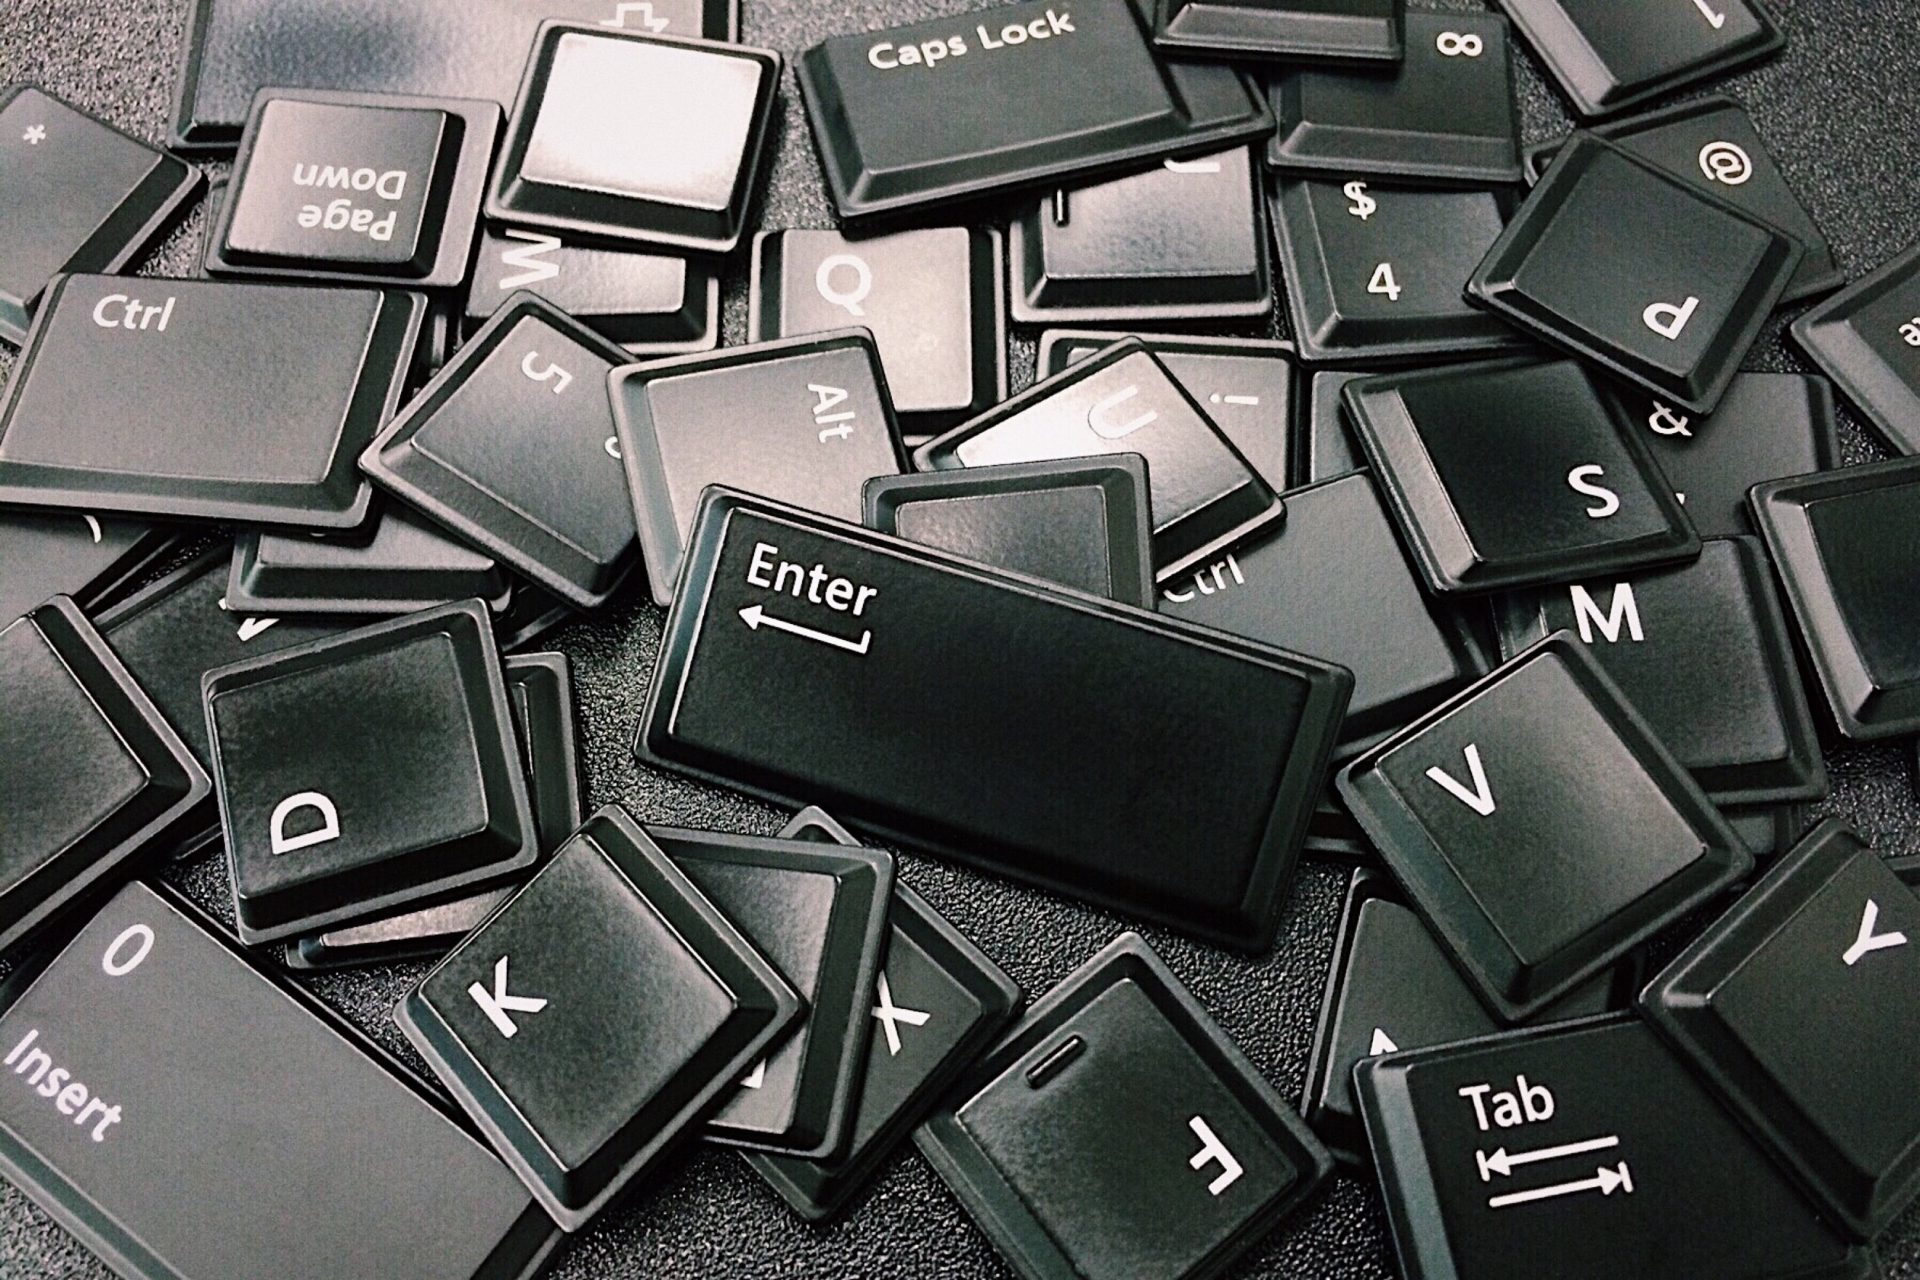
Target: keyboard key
<point>938,1001</point>
<point>1086,523</point>
<point>1515,473</point>
<point>912,118</point>
<point>235,48</point>
<point>1620,262</point>
<point>1712,143</point>
<point>1205,494</point>
<point>1329,449</point>
<point>67,554</point>
<point>1867,339</point>
<point>934,300</point>
<point>1702,650</point>
<point>818,912</point>
<point>1580,1149</point>
<point>530,614</point>
<point>1293,587</point>
<point>91,772</point>
<point>205,401</point>
<point>399,564</point>
<point>1607,57</point>
<point>367,771</point>
<point>828,693</point>
<point>354,186</point>
<point>511,446</point>
<point>1818,1077</point>
<point>1462,802</point>
<point>1361,31</point>
<point>1116,1132</point>
<point>1445,114</point>
<point>201,1133</point>
<point>1182,241</point>
<point>76,194</point>
<point>563,168</point>
<point>695,421</point>
<point>597,1017</point>
<point>649,303</point>
<point>1374,273</point>
<point>1767,427</point>
<point>1247,386</point>
<point>1391,989</point>
<point>1767,830</point>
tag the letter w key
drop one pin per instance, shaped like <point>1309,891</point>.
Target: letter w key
<point>499,1002</point>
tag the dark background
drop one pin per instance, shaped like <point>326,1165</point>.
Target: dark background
<point>1840,110</point>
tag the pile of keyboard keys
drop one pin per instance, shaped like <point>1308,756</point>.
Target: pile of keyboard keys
<point>1500,581</point>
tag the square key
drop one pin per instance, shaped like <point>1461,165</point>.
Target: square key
<point>400,563</point>
<point>633,137</point>
<point>1515,473</point>
<point>1847,546</point>
<point>592,1021</point>
<point>934,298</point>
<point>1798,1006</point>
<point>1608,56</point>
<point>1867,339</point>
<point>349,186</point>
<point>1183,241</point>
<point>653,304</point>
<point>1374,272</point>
<point>76,195</point>
<point>90,770</point>
<point>1540,828</point>
<point>804,420</point>
<point>1620,262</point>
<point>1446,114</point>
<point>366,771</point>
<point>58,553</point>
<point>1363,32</point>
<point>1115,1132</point>
<point>511,446</point>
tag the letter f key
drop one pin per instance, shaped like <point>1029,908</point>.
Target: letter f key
<point>496,1004</point>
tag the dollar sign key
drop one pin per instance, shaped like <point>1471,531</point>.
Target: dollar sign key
<point>1363,204</point>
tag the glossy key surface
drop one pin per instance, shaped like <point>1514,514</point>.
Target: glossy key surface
<point>649,303</point>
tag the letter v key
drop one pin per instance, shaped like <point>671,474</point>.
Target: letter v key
<point>1480,799</point>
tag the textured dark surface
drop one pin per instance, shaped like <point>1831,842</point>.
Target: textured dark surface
<point>1839,109</point>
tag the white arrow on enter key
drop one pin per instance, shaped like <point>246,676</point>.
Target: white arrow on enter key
<point>756,617</point>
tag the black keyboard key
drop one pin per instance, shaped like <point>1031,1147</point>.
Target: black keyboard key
<point>1392,989</point>
<point>803,420</point>
<point>204,1129</point>
<point>1767,830</point>
<point>1622,263</point>
<point>353,186</point>
<point>911,118</point>
<point>1767,427</point>
<point>512,447</point>
<point>1293,587</point>
<point>1819,1077</point>
<point>1608,56</point>
<point>650,303</point>
<point>1205,494</point>
<point>1327,444</point>
<point>91,772</point>
<point>1116,1132</point>
<point>1182,241</point>
<point>424,933</point>
<point>1086,523</point>
<point>936,1003</point>
<point>563,168</point>
<point>1867,339</point>
<point>1446,114</point>
<point>1249,387</point>
<point>400,563</point>
<point>796,664</point>
<point>1574,1152</point>
<point>1702,650</point>
<point>933,298</point>
<point>1515,473</point>
<point>1463,803</point>
<point>597,1017</point>
<point>1374,272</point>
<point>366,771</point>
<point>1360,31</point>
<point>204,400</point>
<point>1847,547</point>
<point>76,194</point>
<point>529,615</point>
<point>1712,143</point>
<point>818,912</point>
<point>69,554</point>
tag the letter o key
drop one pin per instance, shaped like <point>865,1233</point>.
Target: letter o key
<point>117,967</point>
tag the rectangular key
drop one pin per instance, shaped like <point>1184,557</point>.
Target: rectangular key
<point>203,1130</point>
<point>1362,32</point>
<point>400,563</point>
<point>912,118</point>
<point>796,664</point>
<point>1867,339</point>
<point>650,303</point>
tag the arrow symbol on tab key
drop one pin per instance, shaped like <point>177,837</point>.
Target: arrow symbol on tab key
<point>1606,1181</point>
<point>756,617</point>
<point>1502,1163</point>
